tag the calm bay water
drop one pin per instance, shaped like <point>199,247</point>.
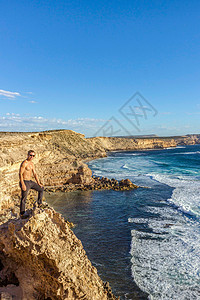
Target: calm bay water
<point>149,236</point>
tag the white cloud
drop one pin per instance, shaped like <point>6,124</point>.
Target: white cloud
<point>32,101</point>
<point>16,122</point>
<point>8,94</point>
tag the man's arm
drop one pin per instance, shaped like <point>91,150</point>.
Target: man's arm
<point>21,171</point>
<point>36,177</point>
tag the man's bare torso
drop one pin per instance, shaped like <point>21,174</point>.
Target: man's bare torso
<point>28,171</point>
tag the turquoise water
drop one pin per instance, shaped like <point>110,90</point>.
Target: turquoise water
<point>149,236</point>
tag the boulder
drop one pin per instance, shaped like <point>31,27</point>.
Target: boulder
<point>83,176</point>
<point>126,182</point>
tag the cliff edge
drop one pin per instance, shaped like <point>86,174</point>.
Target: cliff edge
<point>41,258</point>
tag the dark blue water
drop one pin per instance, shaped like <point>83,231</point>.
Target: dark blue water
<point>150,236</point>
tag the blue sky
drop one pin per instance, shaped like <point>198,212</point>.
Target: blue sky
<point>74,64</point>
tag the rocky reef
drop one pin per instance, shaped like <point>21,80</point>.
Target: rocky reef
<point>97,183</point>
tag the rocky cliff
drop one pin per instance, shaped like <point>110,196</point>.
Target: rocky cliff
<point>190,139</point>
<point>41,258</point>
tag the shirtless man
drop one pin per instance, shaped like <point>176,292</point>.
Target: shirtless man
<point>26,171</point>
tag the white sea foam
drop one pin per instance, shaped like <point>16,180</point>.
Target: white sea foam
<point>137,220</point>
<point>165,260</point>
<point>169,148</point>
<point>186,194</point>
<point>180,147</point>
<point>188,153</point>
<point>125,166</point>
<point>133,154</point>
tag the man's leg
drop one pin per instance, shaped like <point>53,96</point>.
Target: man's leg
<point>39,189</point>
<point>24,196</point>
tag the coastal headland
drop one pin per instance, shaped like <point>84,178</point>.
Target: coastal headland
<point>41,258</point>
<point>61,156</point>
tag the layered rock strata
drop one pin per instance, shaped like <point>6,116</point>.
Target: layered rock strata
<point>41,258</point>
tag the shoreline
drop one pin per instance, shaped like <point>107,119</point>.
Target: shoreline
<point>61,160</point>
<point>138,289</point>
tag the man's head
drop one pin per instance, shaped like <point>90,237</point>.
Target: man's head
<point>31,154</point>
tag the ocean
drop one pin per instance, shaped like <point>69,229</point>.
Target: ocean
<point>148,237</point>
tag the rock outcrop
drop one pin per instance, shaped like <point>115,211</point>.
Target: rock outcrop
<point>97,183</point>
<point>41,258</point>
<point>83,176</point>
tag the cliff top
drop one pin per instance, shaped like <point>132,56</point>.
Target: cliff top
<point>69,131</point>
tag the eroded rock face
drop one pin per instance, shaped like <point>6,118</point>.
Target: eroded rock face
<point>41,258</point>
<point>83,176</point>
